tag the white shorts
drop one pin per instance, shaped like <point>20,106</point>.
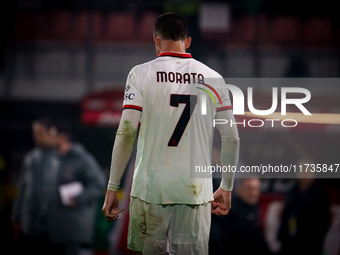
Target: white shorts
<point>184,227</point>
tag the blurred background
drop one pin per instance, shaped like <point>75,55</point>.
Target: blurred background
<point>69,59</point>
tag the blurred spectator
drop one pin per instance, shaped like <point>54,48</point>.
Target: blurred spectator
<point>240,233</point>
<point>306,217</point>
<point>78,184</point>
<point>29,213</point>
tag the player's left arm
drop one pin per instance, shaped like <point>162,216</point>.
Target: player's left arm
<point>229,153</point>
<point>229,157</point>
<point>121,153</point>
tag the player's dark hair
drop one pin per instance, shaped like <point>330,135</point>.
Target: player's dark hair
<point>45,121</point>
<point>171,26</point>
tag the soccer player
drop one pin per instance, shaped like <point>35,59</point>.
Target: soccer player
<point>167,203</point>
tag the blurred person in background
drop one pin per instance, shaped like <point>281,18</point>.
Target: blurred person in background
<point>30,209</point>
<point>306,216</point>
<point>79,181</point>
<point>240,233</point>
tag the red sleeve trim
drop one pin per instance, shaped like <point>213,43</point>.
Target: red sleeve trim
<point>224,108</point>
<point>131,106</point>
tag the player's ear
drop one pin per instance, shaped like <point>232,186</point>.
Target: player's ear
<point>187,42</point>
<point>156,40</point>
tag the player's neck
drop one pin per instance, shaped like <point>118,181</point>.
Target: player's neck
<point>174,46</point>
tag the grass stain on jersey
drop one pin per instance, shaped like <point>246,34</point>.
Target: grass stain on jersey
<point>128,132</point>
<point>196,189</point>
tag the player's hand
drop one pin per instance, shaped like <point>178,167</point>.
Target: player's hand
<point>222,202</point>
<point>110,211</point>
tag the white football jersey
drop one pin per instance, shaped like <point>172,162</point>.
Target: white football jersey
<point>174,136</point>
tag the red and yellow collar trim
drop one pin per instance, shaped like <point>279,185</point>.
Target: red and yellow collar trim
<point>175,54</point>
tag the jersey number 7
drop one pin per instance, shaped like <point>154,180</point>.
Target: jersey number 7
<point>190,103</point>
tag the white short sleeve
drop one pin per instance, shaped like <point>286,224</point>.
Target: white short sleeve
<point>133,98</point>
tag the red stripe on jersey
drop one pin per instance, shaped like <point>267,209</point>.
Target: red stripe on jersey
<point>224,108</point>
<point>175,54</point>
<point>218,96</point>
<point>131,106</point>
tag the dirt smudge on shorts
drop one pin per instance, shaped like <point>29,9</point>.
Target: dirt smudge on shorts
<point>154,224</point>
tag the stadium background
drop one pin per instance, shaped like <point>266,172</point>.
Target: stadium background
<point>70,59</point>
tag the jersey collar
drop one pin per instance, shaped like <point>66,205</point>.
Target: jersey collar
<point>174,54</point>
